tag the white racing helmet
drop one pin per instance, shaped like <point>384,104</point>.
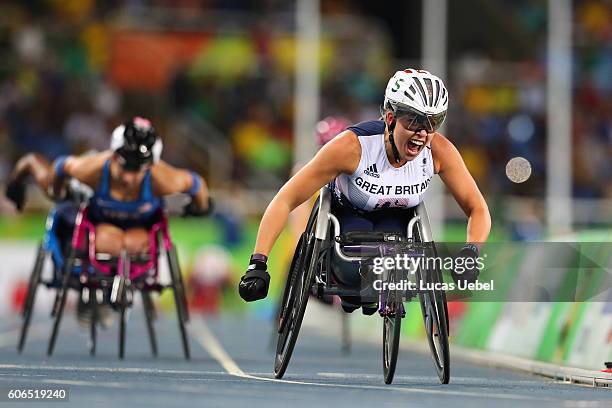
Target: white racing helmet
<point>420,93</point>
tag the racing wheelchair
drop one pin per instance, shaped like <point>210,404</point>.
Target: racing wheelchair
<point>310,273</point>
<point>100,278</point>
<point>104,277</point>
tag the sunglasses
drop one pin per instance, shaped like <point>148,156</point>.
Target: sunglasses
<point>133,163</point>
<point>416,121</point>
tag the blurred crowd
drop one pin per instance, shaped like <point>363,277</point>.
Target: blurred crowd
<point>220,73</point>
<point>502,109</point>
<point>75,69</point>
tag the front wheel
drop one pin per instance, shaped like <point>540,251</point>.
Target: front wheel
<point>124,293</point>
<point>392,322</point>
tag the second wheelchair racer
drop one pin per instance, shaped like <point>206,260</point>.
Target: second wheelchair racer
<point>129,181</point>
<point>377,169</point>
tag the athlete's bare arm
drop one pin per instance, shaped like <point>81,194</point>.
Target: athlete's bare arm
<point>341,155</point>
<point>452,170</point>
<point>33,164</point>
<point>87,169</point>
<point>170,180</point>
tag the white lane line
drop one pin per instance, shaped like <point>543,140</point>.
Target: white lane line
<point>131,370</point>
<point>12,375</point>
<point>212,346</point>
<point>210,343</point>
<point>413,378</point>
<point>584,404</point>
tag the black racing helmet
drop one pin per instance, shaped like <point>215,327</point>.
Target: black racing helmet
<point>136,143</point>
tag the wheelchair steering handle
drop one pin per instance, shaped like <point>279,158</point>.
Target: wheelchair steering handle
<point>351,258</point>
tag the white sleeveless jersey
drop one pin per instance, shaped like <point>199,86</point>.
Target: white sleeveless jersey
<point>376,184</point>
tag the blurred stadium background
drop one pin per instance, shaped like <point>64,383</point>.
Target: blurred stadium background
<point>220,81</point>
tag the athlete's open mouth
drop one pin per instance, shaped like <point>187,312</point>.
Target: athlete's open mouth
<point>415,145</point>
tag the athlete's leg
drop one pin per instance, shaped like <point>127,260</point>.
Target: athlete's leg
<point>109,239</point>
<point>347,273</point>
<point>136,241</point>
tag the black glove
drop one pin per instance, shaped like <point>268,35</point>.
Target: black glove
<point>466,269</point>
<point>255,282</point>
<point>15,191</point>
<point>193,210</point>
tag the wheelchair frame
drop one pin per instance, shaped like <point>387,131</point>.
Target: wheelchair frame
<point>94,275</point>
<point>308,274</point>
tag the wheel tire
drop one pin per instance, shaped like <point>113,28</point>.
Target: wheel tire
<point>122,327</point>
<point>184,340</point>
<point>177,282</point>
<point>278,327</point>
<point>391,335</point>
<point>28,306</point>
<point>149,309</point>
<point>61,297</point>
<point>287,298</point>
<point>435,316</point>
<point>296,295</point>
<point>180,299</point>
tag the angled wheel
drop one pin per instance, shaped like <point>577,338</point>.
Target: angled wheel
<point>177,281</point>
<point>295,296</point>
<point>284,302</point>
<point>392,322</point>
<point>60,301</point>
<point>434,309</point>
<point>180,300</point>
<point>28,306</point>
<point>435,318</point>
<point>149,309</point>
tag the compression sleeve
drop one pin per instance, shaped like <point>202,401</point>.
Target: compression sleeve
<point>195,184</point>
<point>59,166</point>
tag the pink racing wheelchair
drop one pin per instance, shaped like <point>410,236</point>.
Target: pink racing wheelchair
<point>100,278</point>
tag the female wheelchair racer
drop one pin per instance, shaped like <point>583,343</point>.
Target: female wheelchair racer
<point>128,182</point>
<point>376,168</point>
